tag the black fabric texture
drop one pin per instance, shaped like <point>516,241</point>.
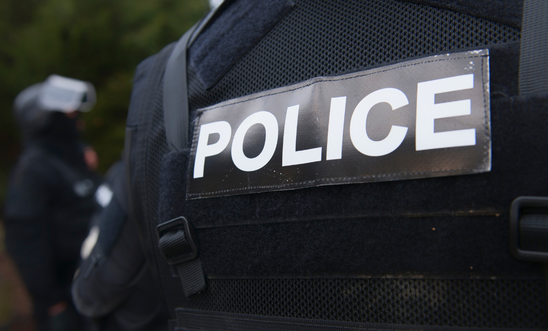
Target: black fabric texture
<point>504,64</point>
<point>111,223</point>
<point>112,218</point>
<point>191,319</point>
<point>232,35</point>
<point>138,92</point>
<point>172,324</point>
<point>434,246</point>
<point>148,77</point>
<point>475,206</point>
<point>472,303</point>
<point>504,11</point>
<point>115,285</point>
<point>470,220</point>
<point>376,240</point>
<point>142,111</point>
<point>533,232</point>
<point>533,66</point>
<point>408,30</point>
<point>118,185</point>
<point>72,152</point>
<point>120,292</point>
<point>61,128</point>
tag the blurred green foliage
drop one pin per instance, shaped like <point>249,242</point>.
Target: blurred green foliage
<point>100,41</point>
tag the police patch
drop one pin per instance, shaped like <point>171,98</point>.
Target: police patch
<point>422,118</point>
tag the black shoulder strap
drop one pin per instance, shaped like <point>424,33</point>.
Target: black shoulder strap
<point>175,98</point>
<point>176,241</point>
<point>176,95</point>
<point>533,78</point>
<point>533,62</point>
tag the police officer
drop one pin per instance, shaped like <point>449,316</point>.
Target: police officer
<point>241,124</point>
<point>51,196</point>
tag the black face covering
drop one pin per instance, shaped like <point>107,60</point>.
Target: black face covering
<point>61,138</point>
<point>62,128</point>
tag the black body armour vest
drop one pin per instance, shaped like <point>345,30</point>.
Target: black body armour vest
<point>350,165</point>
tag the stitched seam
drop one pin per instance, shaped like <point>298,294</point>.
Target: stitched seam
<point>339,180</point>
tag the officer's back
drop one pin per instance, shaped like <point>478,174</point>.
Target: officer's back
<point>344,165</point>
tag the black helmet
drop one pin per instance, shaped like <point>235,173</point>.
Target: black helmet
<point>34,105</point>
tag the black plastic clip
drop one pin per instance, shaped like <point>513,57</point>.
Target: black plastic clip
<point>186,239</point>
<point>523,208</point>
<point>179,245</point>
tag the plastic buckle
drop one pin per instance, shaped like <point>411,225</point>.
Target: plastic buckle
<point>190,237</point>
<point>519,207</point>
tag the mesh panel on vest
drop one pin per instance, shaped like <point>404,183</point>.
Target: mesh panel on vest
<point>320,38</point>
<point>156,148</point>
<point>436,302</point>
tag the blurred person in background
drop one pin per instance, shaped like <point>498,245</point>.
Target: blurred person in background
<point>51,196</point>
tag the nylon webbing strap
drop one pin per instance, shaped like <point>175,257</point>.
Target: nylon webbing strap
<point>191,276</point>
<point>533,63</point>
<point>175,92</point>
<point>174,245</point>
<point>179,248</point>
<point>533,236</point>
<point>529,231</point>
<point>175,95</point>
<point>534,232</point>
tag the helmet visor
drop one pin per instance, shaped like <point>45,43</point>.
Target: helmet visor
<point>63,94</point>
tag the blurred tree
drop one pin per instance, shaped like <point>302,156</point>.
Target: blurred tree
<point>100,41</point>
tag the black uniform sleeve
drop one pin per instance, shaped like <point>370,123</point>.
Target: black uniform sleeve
<point>28,230</point>
<point>104,282</point>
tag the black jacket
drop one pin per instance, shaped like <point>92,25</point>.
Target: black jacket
<point>50,202</point>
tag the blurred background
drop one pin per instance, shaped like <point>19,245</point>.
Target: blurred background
<point>100,41</point>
